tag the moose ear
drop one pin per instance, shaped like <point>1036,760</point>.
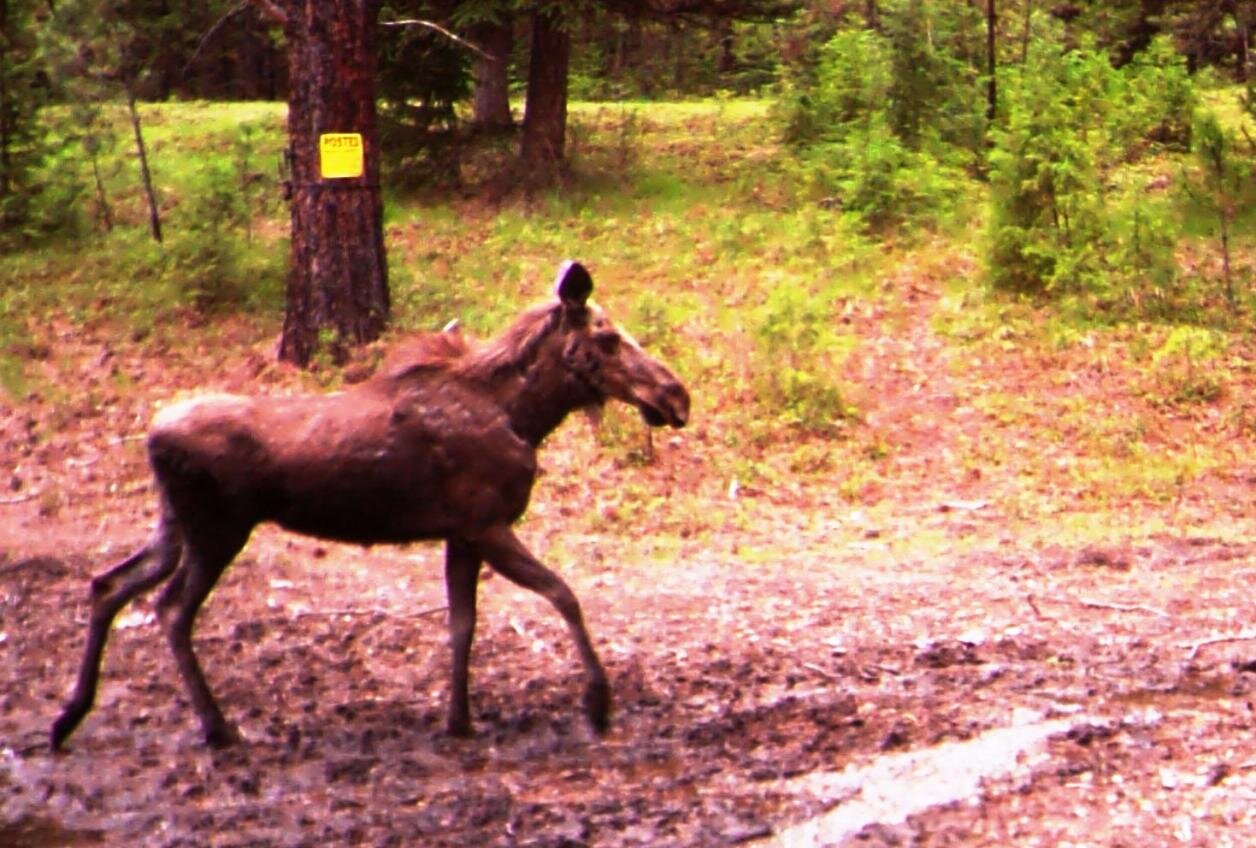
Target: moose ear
<point>574,284</point>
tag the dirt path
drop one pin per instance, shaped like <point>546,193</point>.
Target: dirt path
<point>781,662</point>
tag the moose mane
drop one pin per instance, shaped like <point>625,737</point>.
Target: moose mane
<point>454,353</point>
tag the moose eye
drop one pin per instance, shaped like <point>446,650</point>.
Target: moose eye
<point>607,342</point>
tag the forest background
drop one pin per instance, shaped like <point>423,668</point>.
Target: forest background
<point>1079,168</point>
<point>973,431</point>
<point>1056,125</point>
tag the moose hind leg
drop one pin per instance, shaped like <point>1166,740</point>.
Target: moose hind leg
<point>177,608</point>
<point>462,575</point>
<point>512,560</point>
<point>111,591</point>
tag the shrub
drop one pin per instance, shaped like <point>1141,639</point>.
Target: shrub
<point>851,82</point>
<point>1189,366</point>
<point>210,259</point>
<point>873,174</point>
<point>884,123</point>
<point>1070,120</point>
<point>1157,99</point>
<point>798,354</point>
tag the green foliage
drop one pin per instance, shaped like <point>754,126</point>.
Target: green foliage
<point>617,57</point>
<point>1189,366</point>
<point>1221,187</point>
<point>883,123</point>
<point>216,164</point>
<point>54,187</point>
<point>1070,121</point>
<point>417,108</point>
<point>1155,98</point>
<point>798,355</point>
<point>1141,261</point>
<point>875,175</point>
<point>29,205</point>
<point>211,259</point>
<point>935,50</point>
<point>849,83</point>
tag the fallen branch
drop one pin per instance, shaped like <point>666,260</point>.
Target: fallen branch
<point>1033,605</point>
<point>1245,636</point>
<point>19,499</point>
<point>440,29</point>
<point>1085,602</point>
<point>209,33</point>
<point>332,613</point>
<point>827,675</point>
<point>368,612</point>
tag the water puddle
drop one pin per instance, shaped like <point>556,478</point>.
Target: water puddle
<point>895,786</point>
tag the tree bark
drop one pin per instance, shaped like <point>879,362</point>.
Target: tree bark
<point>491,102</point>
<point>1027,31</point>
<point>872,19</point>
<point>337,293</point>
<point>146,176</point>
<point>992,62</point>
<point>545,114</point>
<point>6,110</point>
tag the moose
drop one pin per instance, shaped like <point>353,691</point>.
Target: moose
<point>440,446</point>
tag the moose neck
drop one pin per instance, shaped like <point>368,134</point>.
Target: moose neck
<point>523,370</point>
<point>540,400</point>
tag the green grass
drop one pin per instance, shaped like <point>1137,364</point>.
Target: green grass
<point>706,245</point>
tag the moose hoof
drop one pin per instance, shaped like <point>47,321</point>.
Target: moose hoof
<point>65,724</point>
<point>60,730</point>
<point>597,706</point>
<point>221,736</point>
<point>459,727</point>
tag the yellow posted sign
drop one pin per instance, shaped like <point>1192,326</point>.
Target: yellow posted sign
<point>340,155</point>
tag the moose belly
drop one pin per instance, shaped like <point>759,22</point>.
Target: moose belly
<point>399,496</point>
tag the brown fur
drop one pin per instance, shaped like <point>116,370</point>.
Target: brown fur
<point>442,445</point>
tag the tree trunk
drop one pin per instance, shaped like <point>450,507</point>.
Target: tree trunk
<point>146,176</point>
<point>1027,31</point>
<point>102,199</point>
<point>6,110</point>
<point>992,62</point>
<point>1242,50</point>
<point>545,114</point>
<point>491,103</point>
<point>872,19</point>
<point>337,293</point>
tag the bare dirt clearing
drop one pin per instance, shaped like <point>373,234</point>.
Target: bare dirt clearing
<point>981,574</point>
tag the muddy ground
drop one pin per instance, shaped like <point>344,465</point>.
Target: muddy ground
<point>733,680</point>
<point>760,645</point>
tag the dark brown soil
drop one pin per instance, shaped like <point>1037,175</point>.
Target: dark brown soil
<point>755,635</point>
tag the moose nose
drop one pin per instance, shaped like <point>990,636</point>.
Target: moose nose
<point>678,400</point>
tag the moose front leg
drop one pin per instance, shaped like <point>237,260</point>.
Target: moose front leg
<point>512,560</point>
<point>462,575</point>
<point>110,592</point>
<point>203,563</point>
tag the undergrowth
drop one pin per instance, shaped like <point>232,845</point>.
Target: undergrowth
<point>713,245</point>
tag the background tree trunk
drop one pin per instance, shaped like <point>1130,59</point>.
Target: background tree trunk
<point>992,62</point>
<point>146,176</point>
<point>545,114</point>
<point>338,287</point>
<point>6,111</point>
<point>491,104</point>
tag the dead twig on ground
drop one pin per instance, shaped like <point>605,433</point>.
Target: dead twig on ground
<point>19,499</point>
<point>348,613</point>
<point>1033,605</point>
<point>435,27</point>
<point>826,674</point>
<point>1245,636</point>
<point>353,613</point>
<point>1086,602</point>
